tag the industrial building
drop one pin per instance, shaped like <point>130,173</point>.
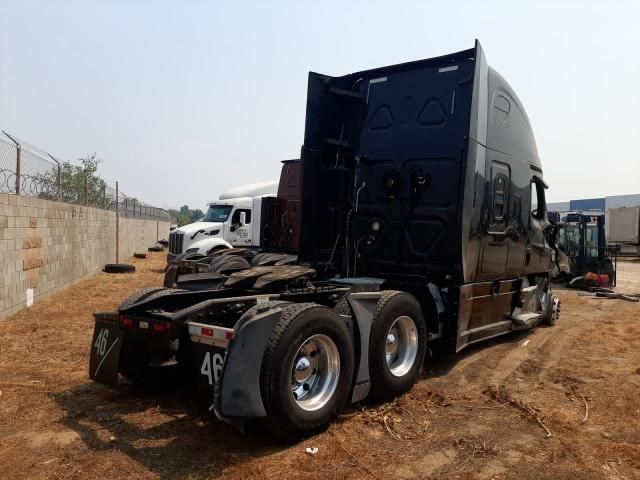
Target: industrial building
<point>602,204</point>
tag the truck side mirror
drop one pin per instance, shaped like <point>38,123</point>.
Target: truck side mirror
<point>243,218</point>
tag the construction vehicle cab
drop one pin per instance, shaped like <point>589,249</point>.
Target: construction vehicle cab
<point>583,248</point>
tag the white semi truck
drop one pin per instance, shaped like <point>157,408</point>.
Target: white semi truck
<point>231,221</point>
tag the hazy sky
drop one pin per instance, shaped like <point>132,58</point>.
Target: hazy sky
<point>185,99</point>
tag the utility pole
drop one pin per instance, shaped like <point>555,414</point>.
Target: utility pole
<point>117,225</point>
<point>59,177</point>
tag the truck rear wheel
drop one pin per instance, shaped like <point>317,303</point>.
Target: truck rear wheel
<point>397,344</point>
<point>307,371</point>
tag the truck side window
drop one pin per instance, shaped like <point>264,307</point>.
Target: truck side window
<point>537,201</point>
<point>499,196</point>
<point>236,215</point>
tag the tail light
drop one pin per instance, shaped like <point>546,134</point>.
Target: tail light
<point>162,327</point>
<point>125,322</point>
<point>210,332</point>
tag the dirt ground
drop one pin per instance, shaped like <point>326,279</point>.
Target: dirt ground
<point>511,408</point>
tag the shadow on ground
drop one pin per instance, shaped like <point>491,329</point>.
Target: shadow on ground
<point>163,431</point>
<point>443,359</point>
<point>166,432</point>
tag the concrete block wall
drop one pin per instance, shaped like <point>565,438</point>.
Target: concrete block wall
<point>136,235</point>
<point>45,246</point>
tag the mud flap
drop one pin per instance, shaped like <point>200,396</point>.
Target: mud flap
<point>105,348</point>
<point>209,347</point>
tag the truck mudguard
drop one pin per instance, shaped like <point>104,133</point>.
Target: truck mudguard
<point>105,348</point>
<point>363,305</point>
<point>240,382</point>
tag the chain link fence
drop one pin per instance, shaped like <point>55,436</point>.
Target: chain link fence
<point>30,171</point>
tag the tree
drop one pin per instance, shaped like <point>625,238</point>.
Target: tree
<point>197,214</point>
<point>75,184</point>
<point>185,215</point>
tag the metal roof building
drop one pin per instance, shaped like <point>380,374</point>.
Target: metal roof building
<point>602,204</point>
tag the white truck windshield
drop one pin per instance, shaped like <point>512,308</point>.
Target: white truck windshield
<point>218,213</point>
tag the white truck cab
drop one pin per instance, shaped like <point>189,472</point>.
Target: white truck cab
<point>231,221</point>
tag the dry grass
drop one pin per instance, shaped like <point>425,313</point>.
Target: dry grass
<point>54,423</point>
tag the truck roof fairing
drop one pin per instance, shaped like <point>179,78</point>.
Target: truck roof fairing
<point>256,189</point>
<point>427,125</point>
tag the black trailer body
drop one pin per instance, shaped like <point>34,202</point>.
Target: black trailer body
<point>422,217</point>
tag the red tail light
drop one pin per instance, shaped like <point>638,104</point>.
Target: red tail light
<point>208,332</point>
<point>161,327</point>
<point>125,322</point>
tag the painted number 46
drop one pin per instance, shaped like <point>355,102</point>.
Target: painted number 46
<point>101,341</point>
<point>212,367</point>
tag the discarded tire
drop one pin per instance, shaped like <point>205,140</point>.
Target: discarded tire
<point>118,268</point>
<point>164,242</point>
<point>139,255</point>
<point>156,249</point>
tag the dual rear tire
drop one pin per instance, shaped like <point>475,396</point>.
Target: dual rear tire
<point>397,344</point>
<point>307,371</point>
<point>308,367</point>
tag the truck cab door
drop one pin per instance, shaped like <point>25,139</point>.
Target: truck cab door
<point>538,251</point>
<point>495,246</point>
<point>240,228</point>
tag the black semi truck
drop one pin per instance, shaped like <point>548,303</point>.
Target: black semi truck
<point>422,219</point>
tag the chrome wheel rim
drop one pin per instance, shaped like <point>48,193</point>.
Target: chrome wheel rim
<point>315,370</point>
<point>401,346</point>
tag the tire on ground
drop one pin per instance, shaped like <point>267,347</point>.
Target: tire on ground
<point>393,308</point>
<point>118,268</point>
<point>156,249</point>
<point>299,322</point>
<point>139,255</point>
